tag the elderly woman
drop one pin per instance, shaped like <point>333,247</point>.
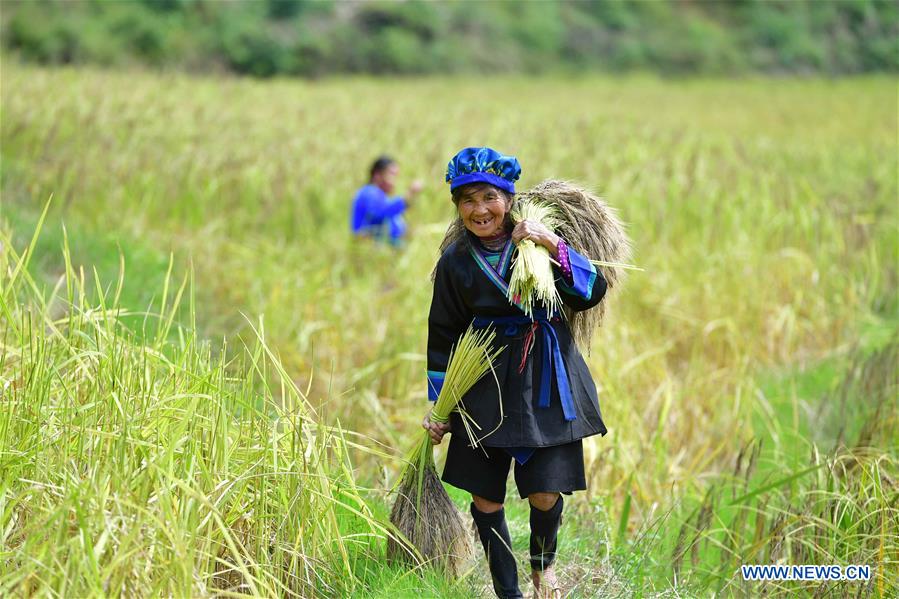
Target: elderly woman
<point>546,402</point>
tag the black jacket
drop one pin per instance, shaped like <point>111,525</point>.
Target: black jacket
<point>463,290</point>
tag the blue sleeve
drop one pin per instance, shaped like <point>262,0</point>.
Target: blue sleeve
<point>588,286</point>
<point>373,207</point>
<point>361,204</point>
<point>392,208</point>
<point>435,384</point>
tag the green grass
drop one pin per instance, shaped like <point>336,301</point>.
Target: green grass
<point>145,268</point>
<point>136,465</point>
<point>763,212</point>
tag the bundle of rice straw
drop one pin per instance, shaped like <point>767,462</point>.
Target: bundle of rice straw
<point>588,225</point>
<point>423,512</point>
<point>532,278</point>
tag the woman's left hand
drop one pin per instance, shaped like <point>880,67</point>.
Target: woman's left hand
<point>435,429</point>
<point>538,233</point>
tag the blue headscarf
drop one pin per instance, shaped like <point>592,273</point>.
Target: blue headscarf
<point>483,165</point>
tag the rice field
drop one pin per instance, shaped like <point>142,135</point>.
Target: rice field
<point>208,388</point>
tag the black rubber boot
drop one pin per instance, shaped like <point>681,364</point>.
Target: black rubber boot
<point>544,534</point>
<point>497,543</point>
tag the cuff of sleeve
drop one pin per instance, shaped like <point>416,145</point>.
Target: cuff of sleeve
<point>583,275</point>
<point>435,384</point>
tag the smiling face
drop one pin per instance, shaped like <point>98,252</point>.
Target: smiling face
<point>482,208</point>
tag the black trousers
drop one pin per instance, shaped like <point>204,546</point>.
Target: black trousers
<point>483,471</point>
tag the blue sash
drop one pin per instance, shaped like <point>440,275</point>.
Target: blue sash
<point>552,357</point>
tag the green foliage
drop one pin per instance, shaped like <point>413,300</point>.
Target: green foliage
<point>314,38</point>
<point>420,19</point>
<point>40,37</point>
<point>253,51</point>
<point>696,46</point>
<point>310,53</point>
<point>287,9</point>
<point>142,33</point>
<point>394,50</point>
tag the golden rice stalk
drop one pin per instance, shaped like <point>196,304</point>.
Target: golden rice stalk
<point>533,281</point>
<point>431,526</point>
<point>592,227</point>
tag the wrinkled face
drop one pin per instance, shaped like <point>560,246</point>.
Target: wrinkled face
<point>483,209</point>
<point>386,177</point>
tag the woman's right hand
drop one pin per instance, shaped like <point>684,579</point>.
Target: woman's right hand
<point>435,429</point>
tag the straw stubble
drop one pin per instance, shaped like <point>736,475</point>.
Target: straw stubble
<point>431,527</point>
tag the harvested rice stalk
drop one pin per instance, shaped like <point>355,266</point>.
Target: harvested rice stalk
<point>588,225</point>
<point>593,228</point>
<point>533,281</point>
<point>423,512</point>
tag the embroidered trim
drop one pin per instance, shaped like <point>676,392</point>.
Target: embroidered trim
<point>492,274</point>
<point>505,260</point>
